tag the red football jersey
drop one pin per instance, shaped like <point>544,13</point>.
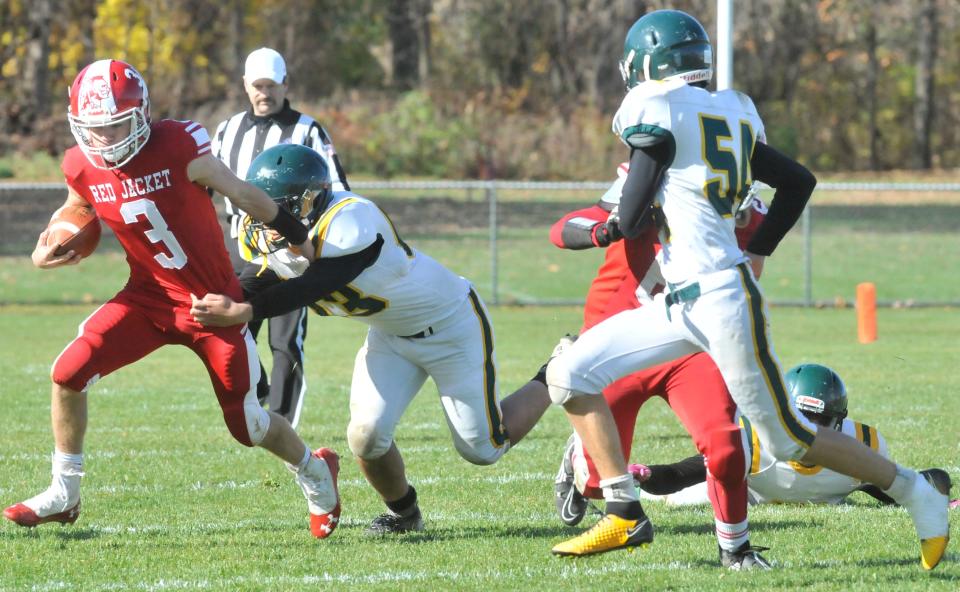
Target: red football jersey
<point>166,223</point>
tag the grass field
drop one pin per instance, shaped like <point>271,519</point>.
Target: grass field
<point>170,502</point>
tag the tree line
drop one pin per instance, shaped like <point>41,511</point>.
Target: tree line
<point>499,88</point>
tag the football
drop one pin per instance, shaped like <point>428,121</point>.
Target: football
<point>74,228</point>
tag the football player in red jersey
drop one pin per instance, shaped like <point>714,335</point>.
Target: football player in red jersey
<point>148,182</point>
<point>692,386</point>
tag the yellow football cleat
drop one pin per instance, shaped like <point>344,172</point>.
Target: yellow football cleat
<point>932,551</point>
<point>609,534</point>
<point>929,507</point>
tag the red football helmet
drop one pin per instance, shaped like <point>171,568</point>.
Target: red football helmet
<point>108,93</point>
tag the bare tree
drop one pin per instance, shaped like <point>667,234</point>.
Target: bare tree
<point>873,69</point>
<point>402,19</point>
<point>923,84</point>
<point>35,65</point>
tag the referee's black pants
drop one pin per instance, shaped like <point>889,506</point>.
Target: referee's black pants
<point>283,391</point>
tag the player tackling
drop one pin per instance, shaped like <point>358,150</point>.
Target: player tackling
<point>147,181</point>
<point>693,154</point>
<point>424,321</point>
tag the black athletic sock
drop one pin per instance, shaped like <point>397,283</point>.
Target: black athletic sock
<point>667,479</point>
<point>406,505</point>
<point>541,375</point>
<point>263,387</point>
<point>626,510</point>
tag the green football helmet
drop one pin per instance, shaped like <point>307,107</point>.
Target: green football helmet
<point>818,393</point>
<point>297,178</point>
<point>666,44</point>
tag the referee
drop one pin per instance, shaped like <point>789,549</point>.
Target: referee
<point>269,121</point>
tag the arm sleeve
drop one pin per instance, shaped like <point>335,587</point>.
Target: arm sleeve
<point>253,280</point>
<point>793,185</point>
<point>667,479</point>
<point>288,226</point>
<point>647,166</point>
<point>576,230</point>
<point>325,275</point>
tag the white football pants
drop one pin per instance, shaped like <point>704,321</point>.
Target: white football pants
<point>725,316</point>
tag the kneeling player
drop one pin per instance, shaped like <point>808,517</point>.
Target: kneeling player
<point>818,393</point>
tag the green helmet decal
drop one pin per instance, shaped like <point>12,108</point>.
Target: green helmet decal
<point>297,178</point>
<point>666,44</point>
<point>818,392</point>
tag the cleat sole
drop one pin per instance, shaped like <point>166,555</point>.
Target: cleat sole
<point>932,551</point>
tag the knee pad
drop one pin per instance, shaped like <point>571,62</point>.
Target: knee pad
<point>483,454</point>
<point>70,368</point>
<point>256,418</point>
<point>557,375</point>
<point>366,442</point>
<point>726,457</point>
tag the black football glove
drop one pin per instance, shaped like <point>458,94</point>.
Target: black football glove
<point>609,231</point>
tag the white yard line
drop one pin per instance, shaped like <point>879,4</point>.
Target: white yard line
<point>552,569</point>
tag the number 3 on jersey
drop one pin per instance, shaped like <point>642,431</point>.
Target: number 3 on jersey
<point>352,302</point>
<point>724,156</point>
<point>159,233</point>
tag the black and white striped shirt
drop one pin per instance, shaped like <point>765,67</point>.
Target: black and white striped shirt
<point>239,140</point>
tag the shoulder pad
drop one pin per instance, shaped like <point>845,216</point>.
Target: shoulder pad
<point>750,109</point>
<point>864,433</point>
<point>72,164</point>
<point>644,116</point>
<point>746,102</point>
<point>185,136</point>
<point>347,226</point>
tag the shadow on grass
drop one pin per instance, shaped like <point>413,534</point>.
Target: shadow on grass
<point>441,534</point>
<point>64,532</point>
<point>77,534</point>
<point>707,527</point>
<point>553,531</point>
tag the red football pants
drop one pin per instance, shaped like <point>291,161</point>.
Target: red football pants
<point>129,327</point>
<point>693,387</point>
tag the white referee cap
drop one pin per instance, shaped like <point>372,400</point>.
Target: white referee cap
<point>265,63</point>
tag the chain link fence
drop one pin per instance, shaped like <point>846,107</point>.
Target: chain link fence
<point>496,234</point>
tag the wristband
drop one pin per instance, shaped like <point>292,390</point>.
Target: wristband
<point>288,226</point>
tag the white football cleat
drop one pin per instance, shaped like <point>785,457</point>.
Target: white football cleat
<point>318,480</point>
<point>928,507</point>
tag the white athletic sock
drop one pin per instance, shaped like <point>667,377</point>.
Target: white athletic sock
<point>620,489</point>
<point>64,490</point>
<point>902,487</point>
<point>732,536</point>
<point>67,470</point>
<point>68,464</point>
<point>303,462</point>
